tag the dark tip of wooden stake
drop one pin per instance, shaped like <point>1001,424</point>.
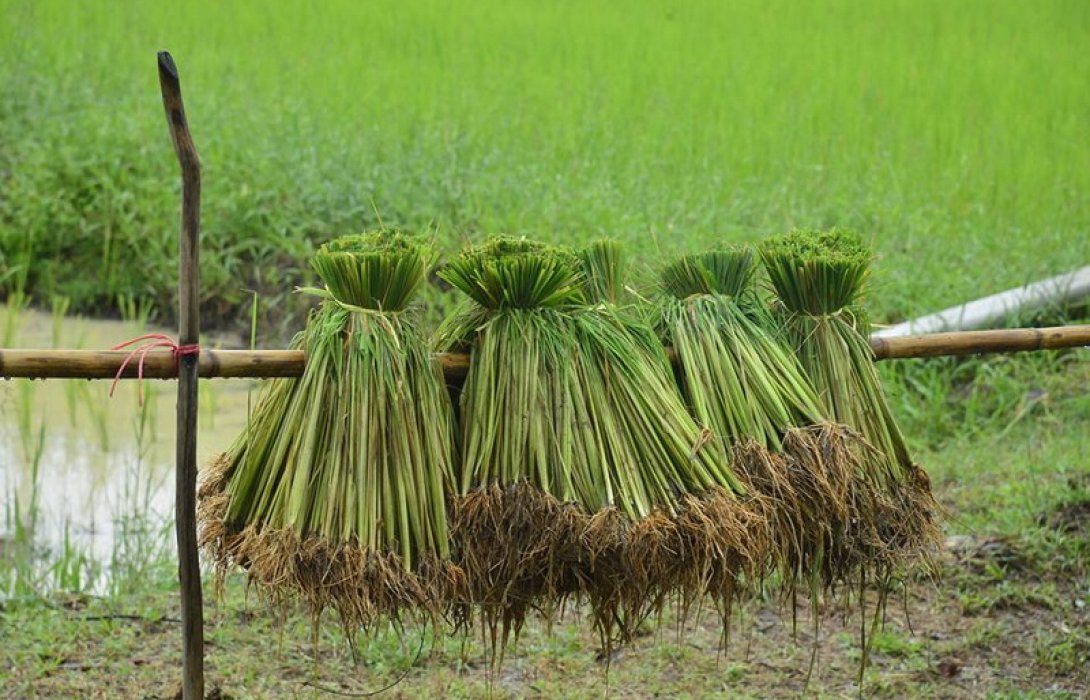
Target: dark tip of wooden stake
<point>167,69</point>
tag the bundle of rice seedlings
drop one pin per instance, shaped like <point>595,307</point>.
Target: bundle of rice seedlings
<point>721,574</point>
<point>335,493</point>
<point>818,277</point>
<point>739,379</point>
<point>582,472</point>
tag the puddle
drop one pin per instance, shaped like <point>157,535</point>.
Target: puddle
<point>90,465</point>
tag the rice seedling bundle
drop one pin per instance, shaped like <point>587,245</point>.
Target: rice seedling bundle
<point>714,515</point>
<point>582,472</point>
<point>738,378</point>
<point>744,383</point>
<point>819,277</point>
<point>335,493</point>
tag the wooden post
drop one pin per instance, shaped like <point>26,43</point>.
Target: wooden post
<point>185,498</point>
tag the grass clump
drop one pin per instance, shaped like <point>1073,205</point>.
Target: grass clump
<point>582,472</point>
<point>335,493</point>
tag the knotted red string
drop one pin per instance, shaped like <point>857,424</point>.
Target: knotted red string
<point>149,342</point>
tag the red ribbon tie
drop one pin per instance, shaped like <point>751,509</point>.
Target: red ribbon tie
<point>145,344</point>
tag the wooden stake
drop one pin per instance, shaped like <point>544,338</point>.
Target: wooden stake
<point>185,498</point>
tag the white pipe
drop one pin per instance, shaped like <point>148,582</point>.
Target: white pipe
<point>991,310</point>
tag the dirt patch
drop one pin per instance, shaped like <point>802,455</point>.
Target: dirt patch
<point>1069,519</point>
<point>1022,634</point>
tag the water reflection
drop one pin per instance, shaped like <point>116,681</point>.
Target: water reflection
<point>90,466</point>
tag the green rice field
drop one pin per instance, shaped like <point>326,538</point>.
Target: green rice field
<point>951,134</point>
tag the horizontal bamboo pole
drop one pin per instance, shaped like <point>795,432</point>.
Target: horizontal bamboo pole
<point>104,364</point>
<point>258,364</point>
<point>222,364</point>
<point>957,343</point>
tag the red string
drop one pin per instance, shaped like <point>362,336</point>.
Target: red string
<point>148,343</point>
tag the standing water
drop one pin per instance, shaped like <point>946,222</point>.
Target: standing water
<point>87,477</point>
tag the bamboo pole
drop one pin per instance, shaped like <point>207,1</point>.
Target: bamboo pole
<point>104,364</point>
<point>980,342</point>
<point>185,497</point>
<point>264,364</point>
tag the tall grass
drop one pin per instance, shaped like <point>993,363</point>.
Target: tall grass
<point>951,133</point>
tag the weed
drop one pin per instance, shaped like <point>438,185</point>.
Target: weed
<point>1065,652</point>
<point>894,644</point>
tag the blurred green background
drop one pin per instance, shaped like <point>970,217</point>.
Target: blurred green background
<point>954,135</point>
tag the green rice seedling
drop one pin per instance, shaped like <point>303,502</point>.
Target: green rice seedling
<point>819,277</point>
<point>604,266</point>
<point>59,307</point>
<point>16,303</point>
<point>336,490</point>
<point>745,384</point>
<point>604,269</point>
<point>738,378</point>
<point>582,470</point>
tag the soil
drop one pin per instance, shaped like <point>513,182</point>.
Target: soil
<point>991,626</point>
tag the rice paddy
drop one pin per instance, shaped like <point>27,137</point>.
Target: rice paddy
<point>950,136</point>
